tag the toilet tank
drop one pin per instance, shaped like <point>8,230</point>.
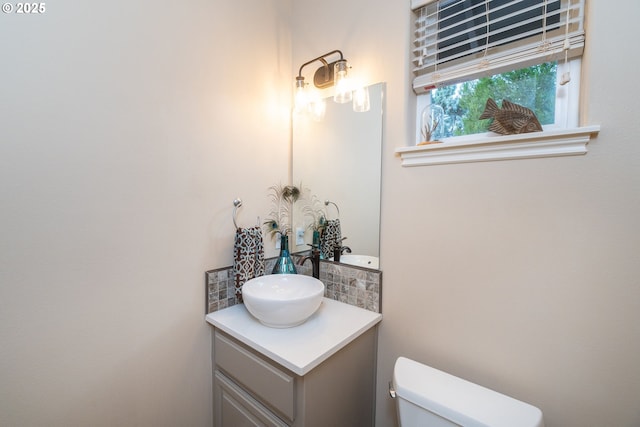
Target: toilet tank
<point>427,397</point>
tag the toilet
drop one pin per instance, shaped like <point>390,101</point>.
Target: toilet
<point>427,397</point>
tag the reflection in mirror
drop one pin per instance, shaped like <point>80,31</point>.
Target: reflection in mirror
<point>339,160</point>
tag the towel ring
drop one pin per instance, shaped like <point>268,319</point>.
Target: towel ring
<point>236,204</point>
<point>328,202</point>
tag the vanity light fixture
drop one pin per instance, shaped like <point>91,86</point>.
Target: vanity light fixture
<point>329,74</point>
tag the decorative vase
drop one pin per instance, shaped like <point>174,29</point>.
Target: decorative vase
<point>316,242</point>
<point>284,263</point>
<point>431,124</point>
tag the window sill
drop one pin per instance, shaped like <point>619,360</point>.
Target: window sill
<point>571,142</point>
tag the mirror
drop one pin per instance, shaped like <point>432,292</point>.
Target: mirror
<point>339,159</point>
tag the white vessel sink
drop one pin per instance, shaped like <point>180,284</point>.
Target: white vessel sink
<point>360,260</point>
<point>282,300</point>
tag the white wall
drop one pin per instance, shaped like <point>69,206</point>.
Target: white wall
<point>126,130</point>
<point>519,275</point>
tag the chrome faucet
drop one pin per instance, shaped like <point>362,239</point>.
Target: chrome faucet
<point>315,261</point>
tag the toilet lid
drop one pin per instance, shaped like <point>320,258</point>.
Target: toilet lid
<point>458,400</point>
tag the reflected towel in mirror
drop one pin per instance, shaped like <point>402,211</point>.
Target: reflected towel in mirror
<point>331,236</point>
<point>248,257</point>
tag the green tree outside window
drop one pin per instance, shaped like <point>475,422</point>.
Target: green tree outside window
<point>533,87</point>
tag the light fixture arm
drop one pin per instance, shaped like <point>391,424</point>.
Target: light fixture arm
<point>320,58</point>
<point>323,76</point>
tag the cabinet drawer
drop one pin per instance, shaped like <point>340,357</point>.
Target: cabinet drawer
<point>236,408</point>
<point>266,381</point>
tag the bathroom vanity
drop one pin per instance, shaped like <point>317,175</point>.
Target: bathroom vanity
<point>321,373</point>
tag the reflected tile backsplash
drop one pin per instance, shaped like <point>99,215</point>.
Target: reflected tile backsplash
<point>352,285</point>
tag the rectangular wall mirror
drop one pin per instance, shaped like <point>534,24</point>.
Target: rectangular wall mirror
<point>339,159</point>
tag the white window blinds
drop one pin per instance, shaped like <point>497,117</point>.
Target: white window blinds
<point>458,40</point>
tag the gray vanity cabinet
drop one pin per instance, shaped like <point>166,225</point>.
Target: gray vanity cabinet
<point>253,390</point>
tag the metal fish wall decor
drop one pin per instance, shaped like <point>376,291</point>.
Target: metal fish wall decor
<point>511,118</point>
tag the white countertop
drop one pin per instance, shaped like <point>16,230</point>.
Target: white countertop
<point>301,348</point>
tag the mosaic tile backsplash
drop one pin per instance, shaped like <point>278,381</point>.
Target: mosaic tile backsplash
<point>352,285</point>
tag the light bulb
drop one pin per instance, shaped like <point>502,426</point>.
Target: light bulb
<point>301,101</point>
<point>343,86</point>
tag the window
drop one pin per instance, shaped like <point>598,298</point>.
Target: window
<point>457,107</point>
<point>465,51</point>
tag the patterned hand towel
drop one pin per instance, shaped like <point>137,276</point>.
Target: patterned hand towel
<point>248,257</point>
<point>330,236</point>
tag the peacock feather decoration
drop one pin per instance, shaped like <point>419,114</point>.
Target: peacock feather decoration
<point>282,199</point>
